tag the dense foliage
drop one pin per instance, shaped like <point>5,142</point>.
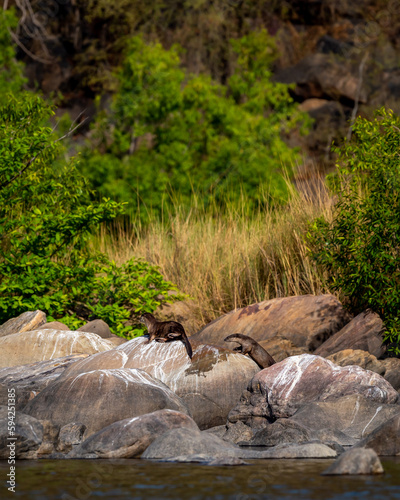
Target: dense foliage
<point>360,248</point>
<point>45,222</point>
<point>173,134</point>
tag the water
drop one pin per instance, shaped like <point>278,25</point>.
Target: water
<point>140,479</point>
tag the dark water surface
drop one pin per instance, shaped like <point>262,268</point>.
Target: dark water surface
<point>139,479</point>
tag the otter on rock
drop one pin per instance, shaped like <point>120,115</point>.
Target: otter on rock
<point>164,331</point>
<point>252,348</point>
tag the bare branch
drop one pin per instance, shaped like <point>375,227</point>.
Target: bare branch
<point>355,109</point>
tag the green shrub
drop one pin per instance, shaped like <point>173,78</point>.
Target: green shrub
<point>170,134</point>
<point>45,221</point>
<point>360,248</point>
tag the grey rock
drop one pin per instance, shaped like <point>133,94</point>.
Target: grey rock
<point>283,431</point>
<point>29,380</point>
<point>392,371</point>
<point>130,437</point>
<point>354,416</point>
<point>28,434</point>
<point>101,397</point>
<point>23,323</point>
<point>206,460</point>
<point>182,442</point>
<point>71,435</point>
<point>385,439</point>
<point>356,461</point>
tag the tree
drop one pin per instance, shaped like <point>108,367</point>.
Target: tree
<point>46,219</point>
<point>360,247</point>
<point>169,134</point>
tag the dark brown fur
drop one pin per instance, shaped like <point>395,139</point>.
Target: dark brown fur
<point>165,331</point>
<point>252,348</point>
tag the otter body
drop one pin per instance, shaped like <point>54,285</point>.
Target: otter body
<point>252,348</point>
<point>165,331</point>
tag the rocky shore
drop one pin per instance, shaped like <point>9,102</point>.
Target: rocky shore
<point>333,391</point>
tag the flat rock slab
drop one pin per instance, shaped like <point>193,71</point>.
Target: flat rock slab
<point>129,438</point>
<point>364,332</point>
<point>29,380</point>
<point>210,384</point>
<point>280,390</point>
<point>40,345</point>
<point>99,398</point>
<point>385,439</point>
<point>356,461</point>
<point>306,320</point>
<point>184,442</point>
<point>28,434</point>
<point>23,323</point>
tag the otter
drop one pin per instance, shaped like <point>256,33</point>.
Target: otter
<point>252,348</point>
<point>164,331</point>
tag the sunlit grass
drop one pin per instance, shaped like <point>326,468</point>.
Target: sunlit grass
<point>231,259</point>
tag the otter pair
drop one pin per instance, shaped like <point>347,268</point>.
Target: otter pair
<point>164,331</point>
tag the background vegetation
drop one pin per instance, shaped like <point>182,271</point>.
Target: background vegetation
<point>189,159</point>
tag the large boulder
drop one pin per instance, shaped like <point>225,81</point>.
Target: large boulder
<point>100,397</point>
<point>385,439</point>
<point>364,332</point>
<point>40,345</point>
<point>210,384</point>
<point>306,320</point>
<point>29,380</point>
<point>130,437</point>
<point>280,390</point>
<point>23,323</point>
<point>97,326</point>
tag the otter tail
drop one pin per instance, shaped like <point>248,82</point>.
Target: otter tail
<point>182,336</point>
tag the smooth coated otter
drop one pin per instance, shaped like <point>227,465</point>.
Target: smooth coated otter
<point>252,348</point>
<point>164,331</point>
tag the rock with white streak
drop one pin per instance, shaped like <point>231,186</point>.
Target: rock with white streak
<point>210,383</point>
<point>385,439</point>
<point>29,380</point>
<point>280,390</point>
<point>100,397</point>
<point>25,322</point>
<point>40,345</point>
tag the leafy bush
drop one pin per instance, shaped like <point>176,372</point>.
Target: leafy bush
<point>170,134</point>
<point>360,248</point>
<point>45,221</point>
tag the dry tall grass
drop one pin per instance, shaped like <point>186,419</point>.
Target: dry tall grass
<point>230,260</point>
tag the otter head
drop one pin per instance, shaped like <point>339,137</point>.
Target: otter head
<point>147,319</point>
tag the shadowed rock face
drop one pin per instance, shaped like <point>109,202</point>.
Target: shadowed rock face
<point>364,332</point>
<point>210,384</point>
<point>100,397</point>
<point>280,390</point>
<point>28,431</point>
<point>40,345</point>
<point>306,320</point>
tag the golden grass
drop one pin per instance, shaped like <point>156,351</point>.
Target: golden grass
<point>226,261</point>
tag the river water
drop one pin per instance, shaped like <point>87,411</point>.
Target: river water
<point>140,479</point>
